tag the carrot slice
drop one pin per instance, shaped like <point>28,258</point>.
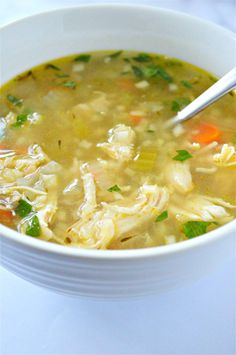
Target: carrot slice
<point>207,133</point>
<point>6,216</point>
<point>126,84</point>
<point>135,119</point>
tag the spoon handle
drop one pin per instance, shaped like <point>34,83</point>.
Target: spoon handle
<point>220,88</point>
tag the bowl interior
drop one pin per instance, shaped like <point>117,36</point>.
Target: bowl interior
<point>40,38</point>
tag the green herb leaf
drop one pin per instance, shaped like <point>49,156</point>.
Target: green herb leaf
<point>20,120</point>
<point>115,54</point>
<point>83,58</point>
<point>179,103</point>
<point>142,58</point>
<point>114,188</point>
<point>195,228</point>
<point>150,72</point>
<point>23,208</point>
<point>14,100</point>
<point>52,66</point>
<point>186,84</point>
<point>137,71</point>
<point>62,75</point>
<point>150,131</point>
<point>69,84</point>
<point>163,74</point>
<point>162,216</point>
<point>234,139</point>
<point>33,229</point>
<point>182,155</point>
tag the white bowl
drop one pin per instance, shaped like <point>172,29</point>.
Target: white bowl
<point>114,274</point>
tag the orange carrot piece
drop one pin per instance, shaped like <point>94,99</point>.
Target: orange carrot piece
<point>135,119</point>
<point>126,84</point>
<point>6,216</point>
<point>207,133</point>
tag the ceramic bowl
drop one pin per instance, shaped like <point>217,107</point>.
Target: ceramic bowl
<point>128,273</point>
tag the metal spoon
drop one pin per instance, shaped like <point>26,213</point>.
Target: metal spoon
<point>220,88</point>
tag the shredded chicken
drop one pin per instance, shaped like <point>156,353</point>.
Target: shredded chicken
<point>201,208</point>
<point>110,222</point>
<point>31,176</point>
<point>227,156</point>
<point>179,177</point>
<point>120,143</point>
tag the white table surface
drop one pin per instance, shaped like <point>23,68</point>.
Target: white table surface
<point>198,319</point>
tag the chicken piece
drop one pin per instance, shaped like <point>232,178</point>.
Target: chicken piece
<point>201,208</point>
<point>120,143</point>
<point>32,177</point>
<point>227,156</point>
<point>179,177</point>
<point>90,202</point>
<point>115,222</point>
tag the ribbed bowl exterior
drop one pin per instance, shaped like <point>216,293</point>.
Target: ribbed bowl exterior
<point>113,278</point>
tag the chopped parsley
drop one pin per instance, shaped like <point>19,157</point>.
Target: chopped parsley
<point>20,120</point>
<point>182,155</point>
<point>69,84</point>
<point>115,54</point>
<point>162,216</point>
<point>150,131</point>
<point>137,71</point>
<point>23,208</point>
<point>179,103</point>
<point>52,66</point>
<point>142,58</point>
<point>186,84</point>
<point>33,229</point>
<point>62,75</point>
<point>83,58</point>
<point>151,71</point>
<point>234,139</point>
<point>25,75</point>
<point>195,228</point>
<point>114,188</point>
<point>14,100</point>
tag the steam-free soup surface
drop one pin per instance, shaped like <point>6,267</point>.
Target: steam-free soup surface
<point>86,160</point>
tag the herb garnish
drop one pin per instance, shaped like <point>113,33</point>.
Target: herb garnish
<point>150,131</point>
<point>14,100</point>
<point>83,58</point>
<point>23,208</point>
<point>20,120</point>
<point>33,229</point>
<point>162,216</point>
<point>52,66</point>
<point>151,71</point>
<point>114,188</point>
<point>115,54</point>
<point>186,84</point>
<point>25,76</point>
<point>234,139</point>
<point>179,103</point>
<point>69,84</point>
<point>195,228</point>
<point>142,58</point>
<point>182,155</point>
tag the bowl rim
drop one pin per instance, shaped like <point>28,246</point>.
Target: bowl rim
<point>142,253</point>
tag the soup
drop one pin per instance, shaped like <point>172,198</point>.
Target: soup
<point>86,160</point>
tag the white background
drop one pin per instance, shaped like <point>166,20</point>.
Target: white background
<point>199,319</point>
